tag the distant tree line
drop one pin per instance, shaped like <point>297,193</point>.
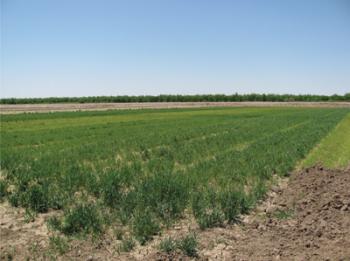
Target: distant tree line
<point>182,98</point>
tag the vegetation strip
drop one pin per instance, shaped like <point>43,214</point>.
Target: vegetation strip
<point>334,150</point>
<point>179,98</point>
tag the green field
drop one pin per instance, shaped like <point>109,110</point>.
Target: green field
<point>142,170</point>
<point>334,149</point>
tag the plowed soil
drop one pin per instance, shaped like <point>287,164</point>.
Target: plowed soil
<point>305,217</point>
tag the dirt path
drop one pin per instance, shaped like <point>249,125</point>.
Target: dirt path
<point>304,218</point>
<point>20,108</point>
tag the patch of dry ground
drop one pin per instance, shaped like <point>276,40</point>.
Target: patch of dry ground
<point>20,108</point>
<point>20,233</point>
<point>304,218</point>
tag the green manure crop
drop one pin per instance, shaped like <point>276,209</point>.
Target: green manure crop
<point>143,170</point>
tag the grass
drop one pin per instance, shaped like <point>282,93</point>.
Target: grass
<point>140,170</point>
<point>334,150</point>
<point>59,244</point>
<point>188,245</point>
<point>168,245</point>
<point>3,189</point>
<point>83,218</point>
<point>127,244</point>
<point>283,214</point>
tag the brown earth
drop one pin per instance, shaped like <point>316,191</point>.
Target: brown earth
<point>20,108</point>
<point>305,217</point>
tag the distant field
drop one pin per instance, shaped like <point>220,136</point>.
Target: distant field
<point>20,108</point>
<point>142,170</point>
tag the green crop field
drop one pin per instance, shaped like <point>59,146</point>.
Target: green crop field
<point>143,170</point>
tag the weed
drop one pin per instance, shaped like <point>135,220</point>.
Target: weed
<point>233,203</point>
<point>144,225</point>
<point>37,198</point>
<point>34,249</point>
<point>211,218</point>
<point>168,245</point>
<point>14,199</point>
<point>127,244</point>
<point>29,215</point>
<point>3,189</point>
<point>119,234</point>
<point>259,190</point>
<point>83,218</point>
<point>283,214</point>
<point>57,197</point>
<point>165,194</point>
<point>59,244</point>
<point>9,257</point>
<point>206,210</point>
<point>111,189</point>
<point>54,223</point>
<point>189,245</point>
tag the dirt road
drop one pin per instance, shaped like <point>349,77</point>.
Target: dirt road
<point>20,108</point>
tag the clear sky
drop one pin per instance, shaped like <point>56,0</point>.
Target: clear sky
<point>137,47</point>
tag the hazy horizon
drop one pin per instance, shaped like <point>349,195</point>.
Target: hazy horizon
<point>111,48</point>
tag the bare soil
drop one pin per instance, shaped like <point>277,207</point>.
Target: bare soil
<point>20,234</point>
<point>304,217</point>
<point>20,108</point>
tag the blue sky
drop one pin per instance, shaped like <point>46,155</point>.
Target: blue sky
<point>137,47</point>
